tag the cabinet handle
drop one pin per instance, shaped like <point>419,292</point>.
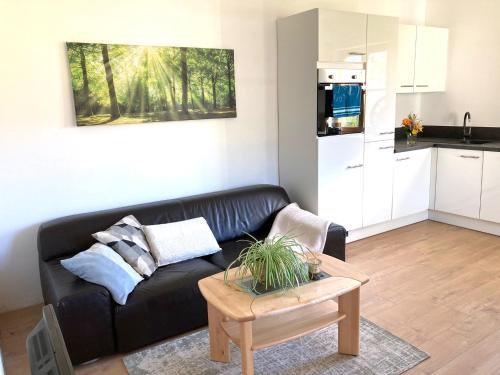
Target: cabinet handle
<point>422,85</point>
<point>469,157</point>
<point>403,159</point>
<point>385,133</point>
<point>385,148</point>
<point>406,86</point>
<point>357,53</point>
<point>354,166</point>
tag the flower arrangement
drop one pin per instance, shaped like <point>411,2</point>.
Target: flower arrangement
<point>412,126</point>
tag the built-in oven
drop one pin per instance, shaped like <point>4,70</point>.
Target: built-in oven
<point>341,100</point>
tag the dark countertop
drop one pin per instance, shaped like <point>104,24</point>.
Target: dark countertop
<point>427,142</point>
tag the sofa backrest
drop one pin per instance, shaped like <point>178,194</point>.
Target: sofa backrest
<point>229,214</point>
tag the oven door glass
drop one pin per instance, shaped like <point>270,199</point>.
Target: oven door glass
<point>338,125</point>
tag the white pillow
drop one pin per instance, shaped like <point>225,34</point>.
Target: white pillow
<point>182,240</point>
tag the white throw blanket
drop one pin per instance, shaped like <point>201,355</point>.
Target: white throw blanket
<point>306,228</point>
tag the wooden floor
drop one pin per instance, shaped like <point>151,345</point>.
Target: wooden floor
<point>435,285</point>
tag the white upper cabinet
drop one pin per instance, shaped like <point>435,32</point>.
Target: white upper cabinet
<point>377,192</point>
<point>412,178</point>
<point>490,197</point>
<point>407,37</point>
<point>340,179</point>
<point>458,181</point>
<point>423,58</point>
<point>431,60</point>
<point>381,77</point>
<point>342,36</point>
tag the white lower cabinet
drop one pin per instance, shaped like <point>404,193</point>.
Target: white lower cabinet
<point>458,182</point>
<point>411,182</point>
<point>490,197</point>
<point>340,179</point>
<point>377,192</point>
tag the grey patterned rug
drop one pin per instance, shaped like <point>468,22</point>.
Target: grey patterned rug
<point>315,354</point>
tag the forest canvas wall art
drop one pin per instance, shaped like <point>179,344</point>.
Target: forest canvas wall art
<point>126,84</point>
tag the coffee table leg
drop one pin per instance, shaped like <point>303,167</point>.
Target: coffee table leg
<point>246,348</point>
<point>349,326</point>
<point>219,342</point>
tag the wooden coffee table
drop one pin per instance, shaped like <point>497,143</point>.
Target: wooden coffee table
<point>271,319</point>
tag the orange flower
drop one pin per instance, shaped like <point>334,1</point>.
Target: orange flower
<point>407,122</point>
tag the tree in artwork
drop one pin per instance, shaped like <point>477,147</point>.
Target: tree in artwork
<point>122,84</point>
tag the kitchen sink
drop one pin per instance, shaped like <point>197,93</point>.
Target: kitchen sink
<point>474,142</point>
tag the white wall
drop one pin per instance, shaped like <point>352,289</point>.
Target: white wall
<point>473,63</point>
<point>50,168</point>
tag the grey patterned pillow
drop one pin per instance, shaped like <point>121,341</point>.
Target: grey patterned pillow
<point>127,239</point>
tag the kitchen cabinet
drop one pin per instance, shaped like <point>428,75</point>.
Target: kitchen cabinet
<point>490,196</point>
<point>411,182</point>
<point>340,179</point>
<point>422,58</point>
<point>458,181</point>
<point>407,38</point>
<point>431,60</point>
<point>342,36</point>
<point>377,190</point>
<point>381,77</point>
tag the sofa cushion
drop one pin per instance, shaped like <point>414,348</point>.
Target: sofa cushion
<point>182,240</point>
<point>230,251</point>
<point>127,239</point>
<point>167,304</point>
<point>103,266</point>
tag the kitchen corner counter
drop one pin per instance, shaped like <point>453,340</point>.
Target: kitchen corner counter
<point>401,146</point>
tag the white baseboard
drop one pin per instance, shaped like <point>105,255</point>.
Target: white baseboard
<point>465,222</point>
<point>359,234</point>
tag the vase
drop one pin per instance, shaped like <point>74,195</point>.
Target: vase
<point>314,268</point>
<point>411,139</point>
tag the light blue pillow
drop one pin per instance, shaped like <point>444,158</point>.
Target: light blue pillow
<point>102,265</point>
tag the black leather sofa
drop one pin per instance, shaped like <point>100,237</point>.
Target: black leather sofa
<point>169,303</point>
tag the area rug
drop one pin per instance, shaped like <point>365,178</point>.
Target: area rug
<point>314,354</point>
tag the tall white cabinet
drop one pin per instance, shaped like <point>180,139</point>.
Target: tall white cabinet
<point>381,82</point>
<point>330,175</point>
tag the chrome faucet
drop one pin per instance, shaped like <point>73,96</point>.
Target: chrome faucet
<point>467,130</point>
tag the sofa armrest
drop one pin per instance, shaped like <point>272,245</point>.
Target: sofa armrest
<point>84,311</point>
<point>335,241</point>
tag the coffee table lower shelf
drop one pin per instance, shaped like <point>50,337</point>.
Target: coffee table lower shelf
<point>270,330</point>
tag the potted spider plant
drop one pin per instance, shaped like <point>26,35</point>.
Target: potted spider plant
<point>276,263</point>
